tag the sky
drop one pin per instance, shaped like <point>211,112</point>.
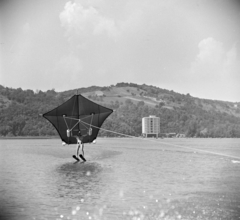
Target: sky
<point>188,46</point>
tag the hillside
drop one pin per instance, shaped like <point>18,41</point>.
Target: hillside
<point>179,113</point>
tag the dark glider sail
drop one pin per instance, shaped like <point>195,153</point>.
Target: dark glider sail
<point>78,115</point>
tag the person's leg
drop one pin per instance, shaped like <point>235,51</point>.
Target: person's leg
<point>78,147</point>
<point>77,153</point>
<point>82,149</point>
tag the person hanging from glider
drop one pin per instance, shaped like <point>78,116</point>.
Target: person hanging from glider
<point>78,121</point>
<point>80,145</point>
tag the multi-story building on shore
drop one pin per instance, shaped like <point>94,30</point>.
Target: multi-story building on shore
<point>151,126</point>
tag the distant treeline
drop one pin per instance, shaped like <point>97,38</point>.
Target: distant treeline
<point>20,109</point>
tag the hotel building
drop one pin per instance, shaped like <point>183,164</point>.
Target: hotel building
<point>150,126</point>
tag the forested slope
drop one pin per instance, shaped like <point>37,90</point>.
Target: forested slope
<point>179,113</point>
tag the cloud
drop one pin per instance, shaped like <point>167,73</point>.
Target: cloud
<point>79,20</point>
<point>213,60</point>
<point>216,69</point>
<point>210,51</point>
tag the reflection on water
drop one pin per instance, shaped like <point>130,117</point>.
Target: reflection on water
<point>76,180</point>
<point>122,179</point>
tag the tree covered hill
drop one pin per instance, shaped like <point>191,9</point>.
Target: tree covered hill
<point>179,113</point>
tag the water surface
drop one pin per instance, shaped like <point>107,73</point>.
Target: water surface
<point>122,179</point>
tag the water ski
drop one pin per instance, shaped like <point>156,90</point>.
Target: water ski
<point>74,156</point>
<point>81,156</point>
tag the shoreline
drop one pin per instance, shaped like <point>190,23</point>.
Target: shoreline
<point>29,137</point>
<point>57,137</point>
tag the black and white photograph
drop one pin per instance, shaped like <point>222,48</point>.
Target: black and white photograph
<point>119,109</point>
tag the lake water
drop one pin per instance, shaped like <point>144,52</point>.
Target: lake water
<point>122,179</point>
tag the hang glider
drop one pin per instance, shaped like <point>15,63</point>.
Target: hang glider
<point>78,115</point>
